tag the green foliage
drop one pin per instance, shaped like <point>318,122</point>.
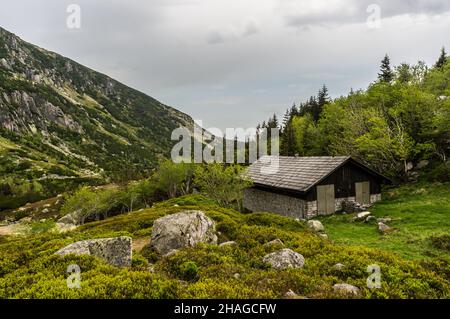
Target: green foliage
<point>86,203</point>
<point>225,184</point>
<point>28,268</point>
<point>174,178</point>
<point>402,118</point>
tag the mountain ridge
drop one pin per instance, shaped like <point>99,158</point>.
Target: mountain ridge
<point>60,118</point>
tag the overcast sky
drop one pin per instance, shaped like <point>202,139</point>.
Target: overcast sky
<point>233,63</point>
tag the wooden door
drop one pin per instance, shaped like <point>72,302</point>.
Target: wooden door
<point>362,192</point>
<point>325,199</point>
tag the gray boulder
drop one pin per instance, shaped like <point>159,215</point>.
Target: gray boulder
<point>315,225</point>
<point>115,251</point>
<point>185,229</point>
<point>284,258</point>
<point>346,289</point>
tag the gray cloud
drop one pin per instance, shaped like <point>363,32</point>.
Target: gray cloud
<point>247,28</point>
<point>328,13</point>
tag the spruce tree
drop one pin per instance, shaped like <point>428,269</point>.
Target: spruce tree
<point>442,59</point>
<point>386,75</point>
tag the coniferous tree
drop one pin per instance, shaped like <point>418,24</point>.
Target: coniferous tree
<point>386,75</point>
<point>442,59</point>
<point>322,99</point>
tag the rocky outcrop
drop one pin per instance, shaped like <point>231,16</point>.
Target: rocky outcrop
<point>115,251</point>
<point>185,229</point>
<point>284,258</point>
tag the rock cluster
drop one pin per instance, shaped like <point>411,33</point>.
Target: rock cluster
<point>115,251</point>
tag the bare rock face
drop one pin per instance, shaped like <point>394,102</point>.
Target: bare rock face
<point>347,289</point>
<point>315,225</point>
<point>185,229</point>
<point>284,258</point>
<point>115,251</point>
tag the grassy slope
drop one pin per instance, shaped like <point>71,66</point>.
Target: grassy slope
<point>28,267</point>
<point>419,211</point>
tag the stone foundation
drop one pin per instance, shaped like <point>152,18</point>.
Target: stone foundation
<point>258,200</point>
<point>261,201</point>
<point>311,210</point>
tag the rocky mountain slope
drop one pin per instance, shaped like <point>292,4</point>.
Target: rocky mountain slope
<point>59,119</point>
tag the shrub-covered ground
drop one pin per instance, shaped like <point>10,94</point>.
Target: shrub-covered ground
<point>420,216</point>
<point>29,269</point>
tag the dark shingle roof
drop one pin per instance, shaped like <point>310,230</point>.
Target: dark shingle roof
<point>294,173</point>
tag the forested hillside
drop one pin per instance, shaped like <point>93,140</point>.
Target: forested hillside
<point>400,122</point>
<point>62,124</point>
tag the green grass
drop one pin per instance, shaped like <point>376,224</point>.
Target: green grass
<point>419,212</point>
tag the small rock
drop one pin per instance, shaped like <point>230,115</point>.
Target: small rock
<point>324,236</point>
<point>45,211</point>
<point>384,220</point>
<point>274,242</point>
<point>339,266</point>
<point>236,276</point>
<point>25,220</point>
<point>347,289</point>
<point>361,216</point>
<point>115,251</point>
<point>383,228</point>
<point>284,258</point>
<point>315,225</point>
<point>228,243</point>
<point>47,206</point>
<point>290,295</point>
